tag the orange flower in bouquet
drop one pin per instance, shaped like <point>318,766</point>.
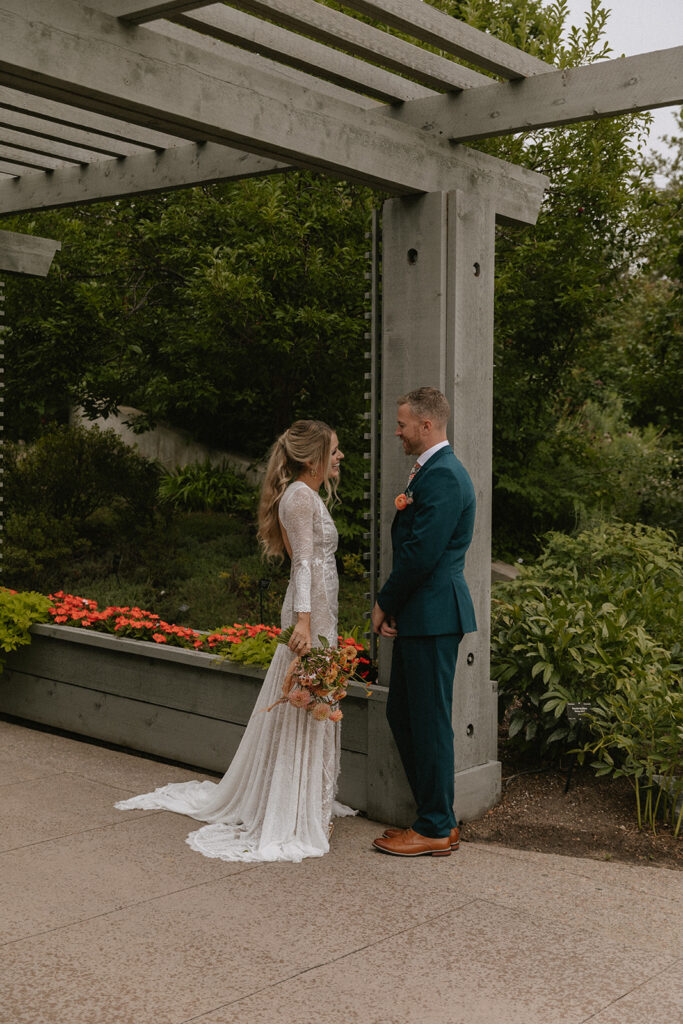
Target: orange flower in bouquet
<point>317,681</point>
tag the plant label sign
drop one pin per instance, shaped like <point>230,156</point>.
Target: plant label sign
<point>575,712</point>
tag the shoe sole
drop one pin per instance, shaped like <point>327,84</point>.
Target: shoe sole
<point>420,853</point>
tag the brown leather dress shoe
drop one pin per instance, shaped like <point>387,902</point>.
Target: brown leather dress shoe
<point>389,833</point>
<point>409,843</point>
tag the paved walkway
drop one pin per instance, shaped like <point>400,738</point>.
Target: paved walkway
<point>109,918</point>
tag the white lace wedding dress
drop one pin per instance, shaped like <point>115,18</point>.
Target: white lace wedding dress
<point>276,799</point>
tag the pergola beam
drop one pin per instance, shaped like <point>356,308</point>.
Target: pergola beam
<point>183,166</point>
<point>91,60</point>
<point>605,89</point>
<point>26,254</point>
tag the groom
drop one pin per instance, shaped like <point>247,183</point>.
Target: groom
<point>426,606</point>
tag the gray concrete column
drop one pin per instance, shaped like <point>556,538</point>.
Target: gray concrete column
<point>437,296</point>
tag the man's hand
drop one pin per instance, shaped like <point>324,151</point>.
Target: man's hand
<point>382,625</point>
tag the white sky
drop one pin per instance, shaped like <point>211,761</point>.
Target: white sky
<point>639,26</point>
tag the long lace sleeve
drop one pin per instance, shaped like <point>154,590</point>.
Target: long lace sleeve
<point>297,515</point>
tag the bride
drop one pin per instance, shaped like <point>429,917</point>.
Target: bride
<point>276,800</point>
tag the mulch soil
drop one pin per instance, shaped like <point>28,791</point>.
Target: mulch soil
<point>595,818</point>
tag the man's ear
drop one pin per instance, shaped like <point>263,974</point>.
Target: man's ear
<point>427,426</point>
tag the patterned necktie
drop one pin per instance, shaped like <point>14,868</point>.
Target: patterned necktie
<point>416,468</point>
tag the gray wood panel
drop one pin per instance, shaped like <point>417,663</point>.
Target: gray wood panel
<point>226,695</point>
<point>26,254</point>
<point>206,742</point>
<point>166,732</point>
<point>352,786</point>
<point>604,89</point>
<point>471,254</point>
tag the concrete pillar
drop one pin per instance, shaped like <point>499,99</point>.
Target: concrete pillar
<point>437,290</point>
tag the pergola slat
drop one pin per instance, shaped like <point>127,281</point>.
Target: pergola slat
<point>61,150</point>
<point>432,26</point>
<point>339,30</point>
<point>570,95</point>
<point>76,52</point>
<point>260,37</point>
<point>138,13</point>
<point>259,63</point>
<point>66,134</point>
<point>14,171</point>
<point>179,167</point>
<point>17,156</point>
<point>76,117</point>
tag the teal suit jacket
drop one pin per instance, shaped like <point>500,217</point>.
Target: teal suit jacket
<point>426,592</point>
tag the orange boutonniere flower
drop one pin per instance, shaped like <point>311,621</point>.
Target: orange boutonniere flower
<point>401,501</point>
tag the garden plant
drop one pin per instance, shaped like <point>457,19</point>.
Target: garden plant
<point>596,619</point>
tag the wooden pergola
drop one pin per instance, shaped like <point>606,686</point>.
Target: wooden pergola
<point>111,98</point>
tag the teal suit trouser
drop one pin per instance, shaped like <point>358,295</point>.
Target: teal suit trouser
<point>419,708</point>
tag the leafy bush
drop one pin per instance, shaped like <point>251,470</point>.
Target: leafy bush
<point>71,490</point>
<point>36,546</point>
<point>597,614</point>
<point>18,612</point>
<point>203,487</point>
<point>637,732</point>
<point>591,462</point>
<point>71,472</point>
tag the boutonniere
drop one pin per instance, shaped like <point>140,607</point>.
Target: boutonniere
<point>401,501</point>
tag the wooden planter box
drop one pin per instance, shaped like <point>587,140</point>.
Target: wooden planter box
<point>183,705</point>
<point>192,707</point>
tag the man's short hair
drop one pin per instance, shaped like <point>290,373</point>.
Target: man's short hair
<point>428,404</point>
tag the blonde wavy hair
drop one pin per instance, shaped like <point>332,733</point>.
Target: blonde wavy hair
<point>306,441</point>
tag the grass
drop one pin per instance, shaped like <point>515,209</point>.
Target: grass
<point>201,569</point>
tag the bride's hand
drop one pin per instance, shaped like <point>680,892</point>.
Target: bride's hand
<point>300,640</point>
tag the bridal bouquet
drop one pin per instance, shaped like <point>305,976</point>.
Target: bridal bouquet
<point>317,681</point>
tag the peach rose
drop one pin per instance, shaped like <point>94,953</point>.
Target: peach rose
<point>299,698</point>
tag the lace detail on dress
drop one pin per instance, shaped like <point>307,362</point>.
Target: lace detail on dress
<point>277,797</point>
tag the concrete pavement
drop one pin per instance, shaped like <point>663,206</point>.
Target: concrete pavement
<point>107,917</point>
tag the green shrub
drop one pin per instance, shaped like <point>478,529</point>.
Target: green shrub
<point>637,732</point>
<point>590,463</point>
<point>203,487</point>
<point>18,612</point>
<point>36,546</point>
<point>71,472</point>
<point>596,614</point>
<point>73,491</point>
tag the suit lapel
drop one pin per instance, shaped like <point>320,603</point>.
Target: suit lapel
<point>430,463</point>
